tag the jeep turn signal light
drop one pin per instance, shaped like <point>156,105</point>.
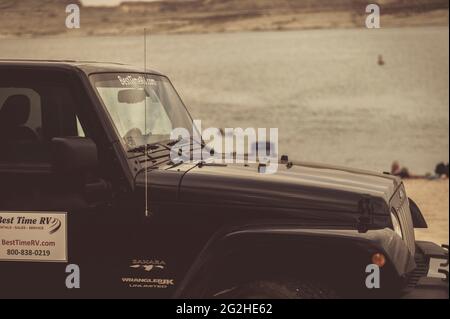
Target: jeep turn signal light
<point>379,259</point>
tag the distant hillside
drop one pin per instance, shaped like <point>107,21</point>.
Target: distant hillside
<point>47,17</point>
<point>283,5</point>
<point>44,5</point>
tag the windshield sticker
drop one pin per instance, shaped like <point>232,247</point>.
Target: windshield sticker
<point>33,236</point>
<point>135,81</point>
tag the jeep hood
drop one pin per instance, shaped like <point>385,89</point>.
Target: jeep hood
<point>316,190</point>
<point>300,186</point>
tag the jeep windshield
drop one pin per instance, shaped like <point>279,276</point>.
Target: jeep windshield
<point>145,108</point>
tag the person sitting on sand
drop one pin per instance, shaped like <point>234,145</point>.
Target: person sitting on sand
<point>397,170</point>
<point>441,170</point>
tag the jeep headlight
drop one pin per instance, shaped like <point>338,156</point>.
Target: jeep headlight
<point>396,224</point>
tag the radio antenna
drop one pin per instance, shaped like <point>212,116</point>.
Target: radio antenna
<point>145,125</point>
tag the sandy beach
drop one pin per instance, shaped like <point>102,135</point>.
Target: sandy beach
<point>432,196</point>
<point>19,18</point>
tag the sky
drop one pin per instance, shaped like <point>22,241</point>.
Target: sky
<point>105,2</point>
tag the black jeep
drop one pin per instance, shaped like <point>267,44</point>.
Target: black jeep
<point>90,200</point>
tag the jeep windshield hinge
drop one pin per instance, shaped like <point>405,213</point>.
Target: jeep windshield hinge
<point>365,218</point>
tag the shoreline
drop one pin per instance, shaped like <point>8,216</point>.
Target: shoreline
<point>78,35</point>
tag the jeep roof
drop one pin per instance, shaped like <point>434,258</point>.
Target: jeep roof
<point>88,67</point>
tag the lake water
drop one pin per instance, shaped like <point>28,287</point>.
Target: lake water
<point>323,89</point>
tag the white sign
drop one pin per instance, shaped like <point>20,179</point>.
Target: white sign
<point>33,236</point>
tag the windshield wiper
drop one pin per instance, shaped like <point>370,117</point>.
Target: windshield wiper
<point>166,144</point>
<point>190,141</point>
<point>143,148</point>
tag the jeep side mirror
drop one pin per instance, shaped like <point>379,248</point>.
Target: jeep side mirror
<point>73,155</point>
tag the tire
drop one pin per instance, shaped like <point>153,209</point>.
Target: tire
<point>278,290</point>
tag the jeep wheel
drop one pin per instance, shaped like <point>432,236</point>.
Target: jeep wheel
<point>278,290</point>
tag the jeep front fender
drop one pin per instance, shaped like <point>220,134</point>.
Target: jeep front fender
<point>290,241</point>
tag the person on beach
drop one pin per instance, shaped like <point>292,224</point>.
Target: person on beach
<point>397,170</point>
<point>441,170</point>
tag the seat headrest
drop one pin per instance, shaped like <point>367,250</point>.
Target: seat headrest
<point>15,111</point>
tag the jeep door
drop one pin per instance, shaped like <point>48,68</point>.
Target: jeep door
<point>36,106</point>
